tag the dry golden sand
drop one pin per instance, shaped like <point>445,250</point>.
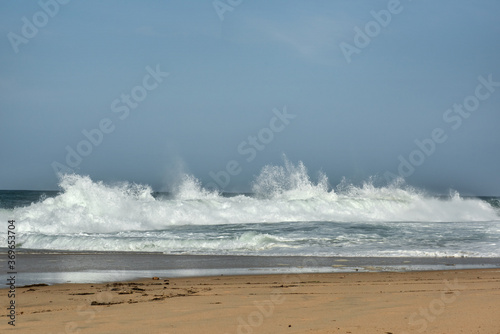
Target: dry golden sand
<point>457,301</point>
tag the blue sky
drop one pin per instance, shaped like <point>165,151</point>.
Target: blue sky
<point>71,66</point>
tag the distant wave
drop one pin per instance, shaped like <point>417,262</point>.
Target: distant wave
<point>287,214</point>
<point>282,194</point>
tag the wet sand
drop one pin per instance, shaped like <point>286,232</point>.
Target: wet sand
<point>451,301</point>
<point>54,267</point>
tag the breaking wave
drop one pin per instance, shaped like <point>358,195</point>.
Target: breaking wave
<point>282,194</point>
<point>286,202</point>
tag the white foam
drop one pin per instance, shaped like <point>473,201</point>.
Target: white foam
<point>190,188</point>
<point>90,215</point>
<point>283,194</point>
<point>290,182</point>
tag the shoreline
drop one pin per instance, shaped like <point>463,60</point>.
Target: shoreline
<point>36,267</point>
<point>349,302</point>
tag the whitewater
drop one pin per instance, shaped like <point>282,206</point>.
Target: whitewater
<point>287,213</point>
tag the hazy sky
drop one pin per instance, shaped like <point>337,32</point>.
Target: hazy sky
<point>142,91</point>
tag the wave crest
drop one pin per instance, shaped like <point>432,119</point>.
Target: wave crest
<point>190,188</point>
<point>282,194</point>
<point>291,182</point>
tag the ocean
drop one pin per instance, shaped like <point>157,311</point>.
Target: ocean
<point>286,216</point>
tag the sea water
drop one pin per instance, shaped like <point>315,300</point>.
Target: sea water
<point>287,214</point>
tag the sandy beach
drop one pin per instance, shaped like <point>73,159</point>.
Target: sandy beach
<point>451,301</point>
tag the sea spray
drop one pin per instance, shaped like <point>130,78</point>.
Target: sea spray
<point>289,213</point>
<point>190,188</point>
<point>283,194</point>
<point>290,182</point>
